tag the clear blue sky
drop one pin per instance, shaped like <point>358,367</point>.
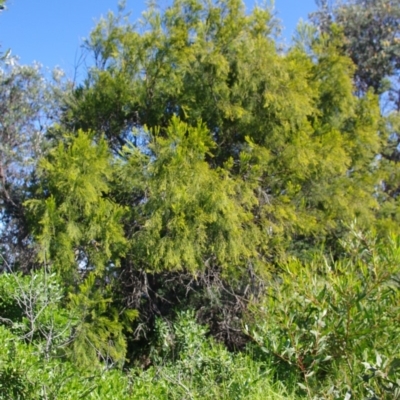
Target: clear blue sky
<point>51,31</point>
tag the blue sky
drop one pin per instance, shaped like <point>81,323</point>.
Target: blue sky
<point>52,31</point>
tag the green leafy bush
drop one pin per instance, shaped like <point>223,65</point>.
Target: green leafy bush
<point>335,326</point>
<point>186,364</point>
<point>26,374</point>
<point>32,307</point>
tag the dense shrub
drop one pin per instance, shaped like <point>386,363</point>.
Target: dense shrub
<point>335,325</point>
<point>185,364</point>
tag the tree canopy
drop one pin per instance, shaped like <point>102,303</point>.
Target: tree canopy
<point>199,171</point>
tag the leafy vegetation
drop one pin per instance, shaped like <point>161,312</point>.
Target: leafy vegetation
<point>336,322</point>
<point>370,32</point>
<point>205,216</point>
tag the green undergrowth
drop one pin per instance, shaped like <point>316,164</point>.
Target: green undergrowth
<point>327,329</point>
<point>185,364</point>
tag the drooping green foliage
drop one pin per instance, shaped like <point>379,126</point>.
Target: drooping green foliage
<point>83,327</point>
<point>202,151</point>
<point>182,225</point>
<point>99,330</point>
<point>371,39</point>
<point>189,214</point>
<point>288,126</point>
<point>76,222</point>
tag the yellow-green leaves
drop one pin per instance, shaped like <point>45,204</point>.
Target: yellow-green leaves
<point>98,334</point>
<point>285,127</point>
<point>190,214</point>
<point>77,224</point>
